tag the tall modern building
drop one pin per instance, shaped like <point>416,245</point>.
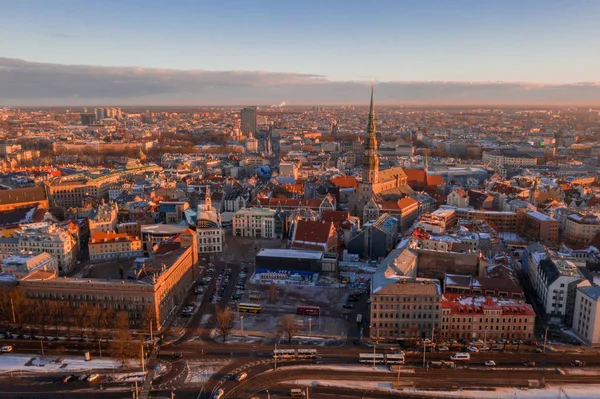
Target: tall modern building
<point>248,116</point>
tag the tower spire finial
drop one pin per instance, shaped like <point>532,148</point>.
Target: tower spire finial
<point>371,121</point>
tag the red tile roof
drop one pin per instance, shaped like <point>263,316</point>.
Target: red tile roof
<point>311,234</point>
<point>345,182</point>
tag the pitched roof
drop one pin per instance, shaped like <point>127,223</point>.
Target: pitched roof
<point>19,195</point>
<point>415,176</point>
<point>335,216</point>
<point>345,182</point>
<point>312,231</point>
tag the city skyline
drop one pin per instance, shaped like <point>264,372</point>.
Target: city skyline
<point>236,53</point>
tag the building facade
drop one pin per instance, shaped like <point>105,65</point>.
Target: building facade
<point>46,237</point>
<point>408,308</point>
<point>111,245</point>
<point>485,318</point>
<point>159,293</point>
<point>586,320</point>
<point>257,223</point>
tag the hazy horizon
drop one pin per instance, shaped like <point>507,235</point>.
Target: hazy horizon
<point>31,84</point>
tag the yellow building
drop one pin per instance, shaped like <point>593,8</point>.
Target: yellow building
<point>110,245</point>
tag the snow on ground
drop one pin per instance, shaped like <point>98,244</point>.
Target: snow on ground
<point>573,391</point>
<point>129,377</point>
<point>200,372</point>
<point>52,364</point>
<point>582,371</point>
<point>205,318</point>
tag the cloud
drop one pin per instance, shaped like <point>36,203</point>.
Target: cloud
<point>24,83</point>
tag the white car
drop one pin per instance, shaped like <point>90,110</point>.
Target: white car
<point>6,348</point>
<point>472,349</point>
<point>490,363</point>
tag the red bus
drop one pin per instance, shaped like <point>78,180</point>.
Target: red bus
<point>308,310</point>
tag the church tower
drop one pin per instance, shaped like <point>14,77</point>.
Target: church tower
<point>370,172</point>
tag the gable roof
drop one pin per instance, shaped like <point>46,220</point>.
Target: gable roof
<point>19,195</point>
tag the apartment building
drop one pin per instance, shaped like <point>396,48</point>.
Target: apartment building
<point>111,245</point>
<point>478,317</point>
<point>259,223</point>
<point>540,227</point>
<point>46,237</point>
<point>581,228</point>
<point>404,308</point>
<point>555,281</point>
<point>438,221</point>
<point>586,320</point>
<point>70,191</point>
<point>104,218</point>
<point>508,158</point>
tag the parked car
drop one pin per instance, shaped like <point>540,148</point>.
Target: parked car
<point>484,348</point>
<point>490,363</point>
<point>6,348</point>
<point>443,348</point>
<point>218,394</point>
<point>496,348</point>
<point>529,363</point>
<point>472,349</point>
<point>348,306</point>
<point>176,356</point>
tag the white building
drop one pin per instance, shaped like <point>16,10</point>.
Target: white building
<point>555,282</point>
<point>209,229</point>
<point>586,319</point>
<point>581,228</point>
<point>45,237</point>
<point>458,198</point>
<point>508,158</point>
<point>254,222</point>
<point>104,218</point>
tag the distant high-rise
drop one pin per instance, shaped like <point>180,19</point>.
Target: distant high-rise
<point>88,118</point>
<point>248,116</point>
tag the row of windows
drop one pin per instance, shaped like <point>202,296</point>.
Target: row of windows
<point>405,315</point>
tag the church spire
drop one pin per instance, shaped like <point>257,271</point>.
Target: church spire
<point>371,160</point>
<point>371,122</point>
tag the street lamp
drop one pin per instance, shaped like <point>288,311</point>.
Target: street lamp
<point>309,326</point>
<point>268,394</point>
<point>242,321</point>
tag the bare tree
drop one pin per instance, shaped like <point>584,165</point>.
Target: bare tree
<point>288,326</point>
<point>81,318</point>
<point>106,320</point>
<point>93,321</point>
<point>148,319</point>
<point>225,319</point>
<point>123,347</point>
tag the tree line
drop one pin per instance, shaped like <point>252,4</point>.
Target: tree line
<point>44,318</point>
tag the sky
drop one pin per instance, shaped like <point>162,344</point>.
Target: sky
<point>232,51</point>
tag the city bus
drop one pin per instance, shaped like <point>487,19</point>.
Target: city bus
<point>395,358</point>
<point>308,310</point>
<point>284,353</point>
<point>307,353</point>
<point>358,318</point>
<point>249,307</point>
<point>368,358</point>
